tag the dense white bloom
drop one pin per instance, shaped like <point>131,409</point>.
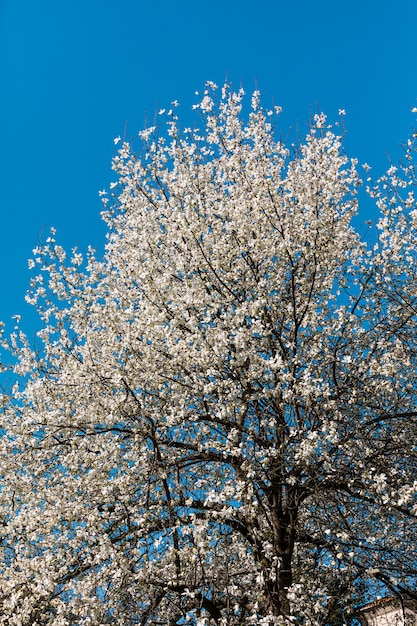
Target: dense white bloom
<point>220,425</point>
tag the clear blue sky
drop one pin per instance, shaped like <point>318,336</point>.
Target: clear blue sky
<point>75,74</point>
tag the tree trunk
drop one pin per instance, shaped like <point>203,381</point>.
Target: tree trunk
<point>284,518</point>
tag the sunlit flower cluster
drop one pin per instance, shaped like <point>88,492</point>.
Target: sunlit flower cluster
<point>218,425</point>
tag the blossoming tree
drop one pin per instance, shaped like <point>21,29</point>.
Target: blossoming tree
<point>220,424</point>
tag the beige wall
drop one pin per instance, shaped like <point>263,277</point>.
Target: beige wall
<point>389,613</point>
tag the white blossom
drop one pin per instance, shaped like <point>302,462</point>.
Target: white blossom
<point>217,424</point>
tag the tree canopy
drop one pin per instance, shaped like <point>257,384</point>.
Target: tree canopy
<point>219,425</point>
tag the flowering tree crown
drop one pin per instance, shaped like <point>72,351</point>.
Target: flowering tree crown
<point>220,425</point>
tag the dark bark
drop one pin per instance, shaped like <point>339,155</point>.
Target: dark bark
<point>284,521</point>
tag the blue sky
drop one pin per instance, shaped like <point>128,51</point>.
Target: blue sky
<point>75,74</point>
